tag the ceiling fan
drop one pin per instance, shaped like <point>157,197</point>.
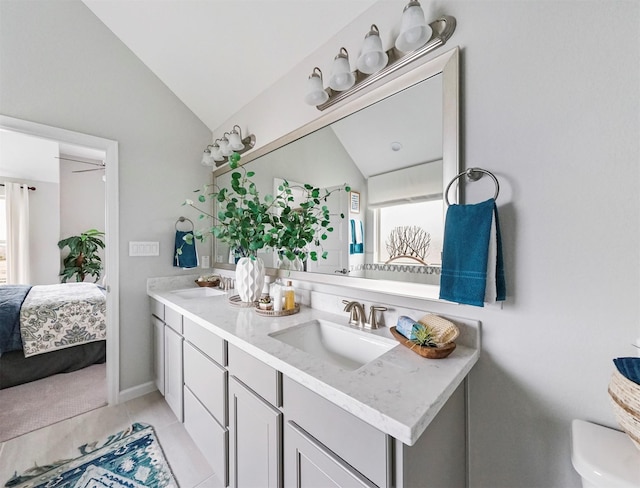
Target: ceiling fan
<point>100,165</point>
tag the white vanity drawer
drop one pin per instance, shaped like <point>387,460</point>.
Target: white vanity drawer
<point>205,340</point>
<point>261,378</point>
<point>157,309</point>
<point>342,432</point>
<point>211,438</point>
<point>207,381</point>
<point>173,319</point>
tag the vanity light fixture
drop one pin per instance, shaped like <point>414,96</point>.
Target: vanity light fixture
<point>316,94</point>
<point>225,150</point>
<point>207,158</point>
<point>372,57</point>
<point>235,139</point>
<point>341,76</point>
<point>218,153</point>
<point>414,30</point>
<point>416,39</point>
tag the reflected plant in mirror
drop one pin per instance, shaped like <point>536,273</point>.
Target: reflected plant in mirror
<point>293,222</point>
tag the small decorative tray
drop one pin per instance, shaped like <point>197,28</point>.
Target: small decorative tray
<point>236,302</point>
<point>426,352</point>
<point>208,283</point>
<point>281,313</point>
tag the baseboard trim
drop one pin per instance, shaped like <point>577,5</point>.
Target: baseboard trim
<point>136,391</point>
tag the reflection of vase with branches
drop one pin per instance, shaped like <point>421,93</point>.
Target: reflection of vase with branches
<point>408,241</point>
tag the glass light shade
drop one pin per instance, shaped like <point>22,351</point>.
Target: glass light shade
<point>341,76</point>
<point>372,58</point>
<point>414,30</point>
<point>215,153</point>
<point>316,94</point>
<point>207,159</point>
<point>235,143</point>
<point>225,150</point>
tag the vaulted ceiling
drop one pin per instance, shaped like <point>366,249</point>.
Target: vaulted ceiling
<point>218,55</point>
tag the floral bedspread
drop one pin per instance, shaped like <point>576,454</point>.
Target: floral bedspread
<point>64,315</point>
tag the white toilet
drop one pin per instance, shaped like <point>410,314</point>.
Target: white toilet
<point>603,457</point>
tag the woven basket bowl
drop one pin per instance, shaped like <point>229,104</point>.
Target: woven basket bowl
<point>625,397</point>
<point>443,330</point>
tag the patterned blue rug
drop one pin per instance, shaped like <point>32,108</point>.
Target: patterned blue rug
<point>132,458</point>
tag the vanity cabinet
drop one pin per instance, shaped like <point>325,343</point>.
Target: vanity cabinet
<point>255,423</point>
<point>173,371</point>
<point>308,463</point>
<point>157,324</point>
<point>205,395</point>
<point>322,439</point>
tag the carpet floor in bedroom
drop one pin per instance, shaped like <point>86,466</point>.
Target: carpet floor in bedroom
<point>62,439</point>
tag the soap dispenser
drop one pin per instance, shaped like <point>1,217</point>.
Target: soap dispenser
<point>289,297</point>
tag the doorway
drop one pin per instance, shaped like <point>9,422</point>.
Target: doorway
<point>109,148</point>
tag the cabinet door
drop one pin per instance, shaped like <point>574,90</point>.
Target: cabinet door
<point>158,353</point>
<point>173,371</point>
<point>309,464</point>
<point>255,440</point>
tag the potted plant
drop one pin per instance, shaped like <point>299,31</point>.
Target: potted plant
<point>249,223</point>
<point>83,259</point>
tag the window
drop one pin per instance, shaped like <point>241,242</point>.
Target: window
<point>3,241</point>
<point>427,214</point>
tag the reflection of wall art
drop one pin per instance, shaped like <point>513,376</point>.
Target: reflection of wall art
<point>408,241</point>
<point>355,202</point>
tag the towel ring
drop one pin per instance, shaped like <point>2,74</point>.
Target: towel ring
<point>183,219</point>
<point>474,174</point>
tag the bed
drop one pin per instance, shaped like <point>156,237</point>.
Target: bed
<point>50,329</point>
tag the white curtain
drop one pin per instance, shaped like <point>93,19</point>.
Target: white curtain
<point>17,208</point>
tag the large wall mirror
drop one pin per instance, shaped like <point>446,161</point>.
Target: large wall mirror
<point>397,148</point>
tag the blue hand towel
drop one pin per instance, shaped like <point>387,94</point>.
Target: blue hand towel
<point>189,256</point>
<point>465,254</point>
<point>358,247</point>
<point>352,242</point>
<point>629,368</point>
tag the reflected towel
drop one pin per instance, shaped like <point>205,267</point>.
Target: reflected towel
<point>189,256</point>
<point>629,368</point>
<point>358,247</point>
<point>468,234</point>
<point>352,241</point>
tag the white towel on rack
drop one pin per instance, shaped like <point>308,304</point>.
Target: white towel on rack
<point>490,291</point>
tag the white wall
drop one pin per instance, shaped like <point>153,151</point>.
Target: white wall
<point>550,103</point>
<point>82,202</point>
<point>62,67</point>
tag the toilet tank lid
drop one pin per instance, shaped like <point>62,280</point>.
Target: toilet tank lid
<point>605,457</point>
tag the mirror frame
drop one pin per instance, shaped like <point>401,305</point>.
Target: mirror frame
<point>446,64</point>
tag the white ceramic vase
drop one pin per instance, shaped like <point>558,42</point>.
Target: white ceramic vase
<point>249,279</point>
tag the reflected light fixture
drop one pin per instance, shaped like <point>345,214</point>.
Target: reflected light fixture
<point>225,150</point>
<point>207,158</point>
<point>372,57</point>
<point>341,76</point>
<point>414,30</point>
<point>235,139</point>
<point>316,94</point>
<point>218,153</point>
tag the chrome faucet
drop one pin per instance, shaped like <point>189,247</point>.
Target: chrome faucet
<point>357,314</point>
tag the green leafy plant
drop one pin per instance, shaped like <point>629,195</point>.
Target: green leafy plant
<point>424,337</point>
<point>83,259</point>
<point>248,223</point>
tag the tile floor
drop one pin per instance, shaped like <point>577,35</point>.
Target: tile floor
<point>61,440</point>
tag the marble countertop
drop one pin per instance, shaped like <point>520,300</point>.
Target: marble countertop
<point>399,393</point>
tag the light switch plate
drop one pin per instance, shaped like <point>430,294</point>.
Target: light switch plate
<point>143,248</point>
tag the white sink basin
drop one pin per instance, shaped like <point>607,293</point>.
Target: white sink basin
<point>200,292</point>
<point>337,344</point>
